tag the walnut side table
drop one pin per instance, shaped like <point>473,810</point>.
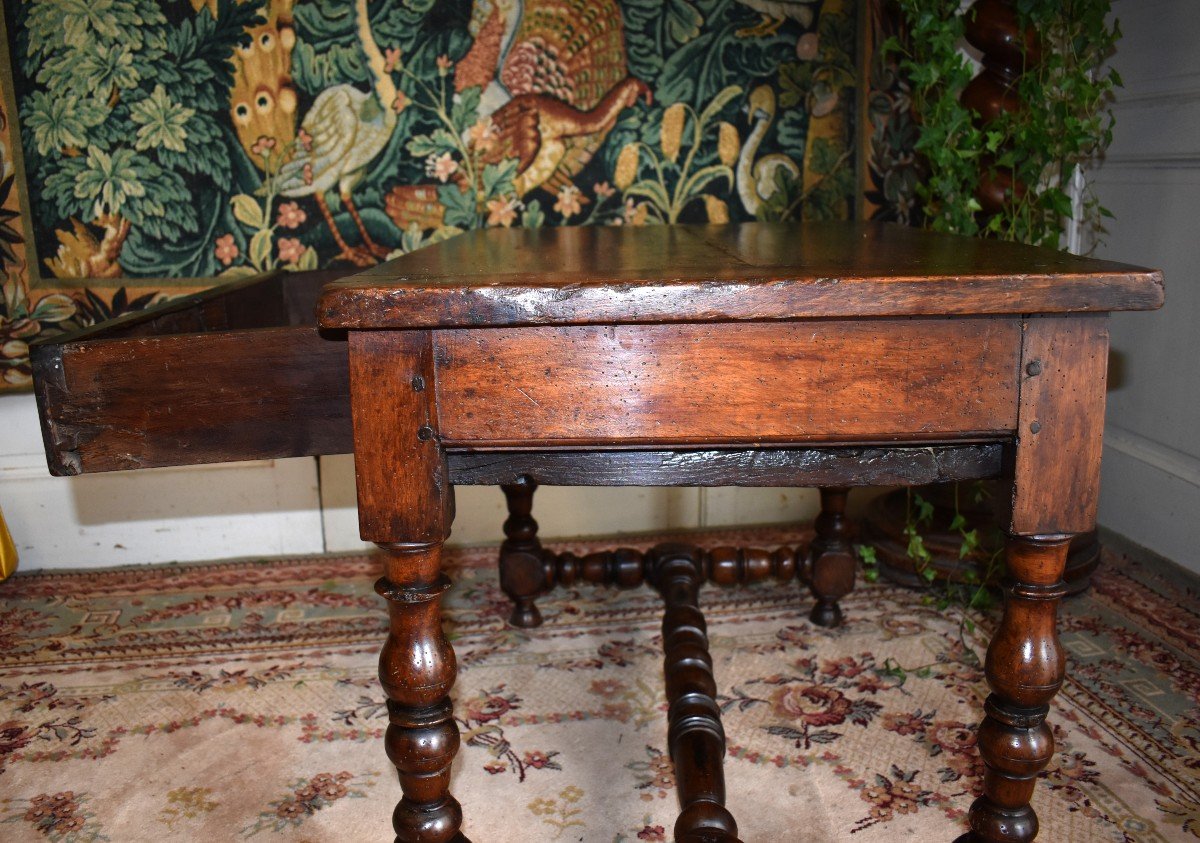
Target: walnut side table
<point>814,354</point>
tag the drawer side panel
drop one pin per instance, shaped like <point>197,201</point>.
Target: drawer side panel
<point>184,399</point>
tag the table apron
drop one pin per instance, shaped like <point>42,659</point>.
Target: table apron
<point>811,381</point>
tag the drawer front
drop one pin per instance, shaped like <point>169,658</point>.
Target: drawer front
<point>236,372</point>
<point>810,381</point>
<point>192,398</point>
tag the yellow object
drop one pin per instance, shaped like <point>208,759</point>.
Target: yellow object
<point>672,130</point>
<point>8,551</point>
<point>627,165</point>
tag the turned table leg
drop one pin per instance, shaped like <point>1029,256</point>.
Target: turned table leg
<point>695,735</point>
<point>1024,670</point>
<point>831,558</point>
<point>417,669</point>
<point>1056,481</point>
<point>406,506</point>
<point>522,569</point>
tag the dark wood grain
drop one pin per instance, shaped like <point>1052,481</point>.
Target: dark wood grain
<point>1056,486</point>
<point>753,271</point>
<point>757,467</point>
<point>1025,668</point>
<point>404,491</point>
<point>695,736</point>
<point>183,399</point>
<point>817,381</point>
<point>717,355</point>
<point>626,568</point>
<point>522,563</point>
<point>238,372</point>
<point>406,505</point>
<point>831,560</point>
<point>417,669</point>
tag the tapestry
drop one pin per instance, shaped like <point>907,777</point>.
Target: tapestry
<point>155,147</point>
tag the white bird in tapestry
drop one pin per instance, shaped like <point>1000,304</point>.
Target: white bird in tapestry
<point>340,135</point>
<point>757,178</point>
<point>775,12</point>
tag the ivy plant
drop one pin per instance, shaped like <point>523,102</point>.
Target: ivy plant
<point>1066,122</point>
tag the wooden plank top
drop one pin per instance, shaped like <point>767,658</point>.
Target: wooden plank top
<point>751,271</point>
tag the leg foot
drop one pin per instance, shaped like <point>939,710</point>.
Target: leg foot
<point>417,669</point>
<point>522,566</point>
<point>1024,668</point>
<point>831,559</point>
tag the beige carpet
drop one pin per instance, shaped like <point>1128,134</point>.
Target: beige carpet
<point>238,701</point>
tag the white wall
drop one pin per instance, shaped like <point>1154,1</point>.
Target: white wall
<point>1151,182</point>
<point>159,515</point>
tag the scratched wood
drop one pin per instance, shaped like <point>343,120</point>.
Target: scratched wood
<point>1060,431</point>
<point>753,271</point>
<point>815,381</point>
<point>239,372</point>
<point>404,492</point>
<point>186,399</point>
<point>758,467</point>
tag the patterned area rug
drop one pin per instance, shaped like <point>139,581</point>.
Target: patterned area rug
<point>238,700</point>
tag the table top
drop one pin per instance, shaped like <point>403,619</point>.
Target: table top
<point>751,271</point>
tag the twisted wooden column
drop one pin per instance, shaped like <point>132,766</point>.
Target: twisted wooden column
<point>629,568</point>
<point>1025,668</point>
<point>522,569</point>
<point>1008,52</point>
<point>695,736</point>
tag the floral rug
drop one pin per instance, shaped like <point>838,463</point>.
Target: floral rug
<point>238,701</point>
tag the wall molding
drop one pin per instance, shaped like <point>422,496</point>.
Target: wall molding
<point>1157,97</point>
<point>1161,161</point>
<point>1166,459</point>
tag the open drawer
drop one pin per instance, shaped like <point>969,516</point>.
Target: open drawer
<point>238,372</point>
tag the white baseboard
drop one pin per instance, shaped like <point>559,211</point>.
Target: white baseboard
<point>1151,494</point>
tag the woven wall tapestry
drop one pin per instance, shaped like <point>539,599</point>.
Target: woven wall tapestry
<point>150,148</point>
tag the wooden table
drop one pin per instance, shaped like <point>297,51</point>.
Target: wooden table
<point>598,345</point>
<point>830,355</point>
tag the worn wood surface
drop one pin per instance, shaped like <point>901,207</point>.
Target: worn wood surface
<point>404,491</point>
<point>1025,666</point>
<point>753,271</point>
<point>758,467</point>
<point>1060,430</point>
<point>238,372</point>
<point>816,381</point>
<point>182,399</point>
<point>522,561</point>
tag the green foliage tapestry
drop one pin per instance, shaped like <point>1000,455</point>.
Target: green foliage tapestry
<point>152,146</point>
